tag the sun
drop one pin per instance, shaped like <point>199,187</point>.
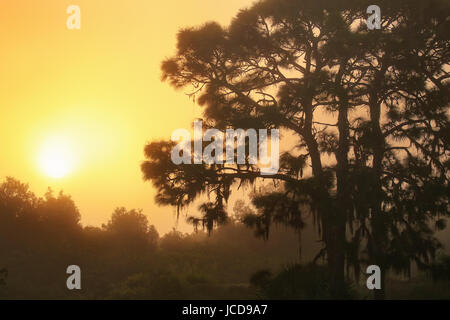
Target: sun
<point>56,158</point>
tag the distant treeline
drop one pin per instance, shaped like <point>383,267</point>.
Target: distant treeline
<point>127,259</point>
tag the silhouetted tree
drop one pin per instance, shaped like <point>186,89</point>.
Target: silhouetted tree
<point>131,229</point>
<point>119,263</point>
<point>211,214</point>
<point>44,236</point>
<point>375,100</point>
<point>399,169</point>
<point>17,212</point>
<point>59,219</point>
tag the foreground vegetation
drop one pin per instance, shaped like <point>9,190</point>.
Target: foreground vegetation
<point>127,259</point>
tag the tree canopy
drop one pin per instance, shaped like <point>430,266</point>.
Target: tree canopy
<point>365,113</point>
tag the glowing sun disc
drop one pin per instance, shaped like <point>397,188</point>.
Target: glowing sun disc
<point>56,158</point>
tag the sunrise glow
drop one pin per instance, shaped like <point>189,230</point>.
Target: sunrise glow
<point>56,158</point>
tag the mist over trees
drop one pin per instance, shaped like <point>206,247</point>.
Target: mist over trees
<point>125,258</point>
<point>375,102</point>
<point>363,178</point>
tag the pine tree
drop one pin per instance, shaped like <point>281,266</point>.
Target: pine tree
<point>374,101</point>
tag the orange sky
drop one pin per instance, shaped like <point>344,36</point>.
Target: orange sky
<point>97,88</point>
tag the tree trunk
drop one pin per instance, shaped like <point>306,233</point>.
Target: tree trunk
<point>378,225</point>
<point>336,262</point>
<point>343,196</point>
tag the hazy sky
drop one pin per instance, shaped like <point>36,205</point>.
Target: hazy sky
<point>97,91</point>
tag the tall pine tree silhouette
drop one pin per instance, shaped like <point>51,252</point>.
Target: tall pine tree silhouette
<point>375,102</point>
